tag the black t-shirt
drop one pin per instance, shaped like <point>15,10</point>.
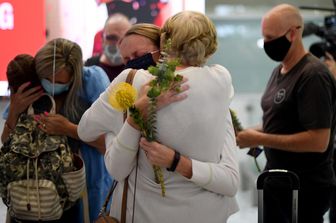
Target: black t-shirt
<point>111,71</point>
<point>303,99</point>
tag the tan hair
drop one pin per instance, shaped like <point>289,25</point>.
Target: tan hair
<point>68,56</point>
<point>193,37</point>
<point>150,31</point>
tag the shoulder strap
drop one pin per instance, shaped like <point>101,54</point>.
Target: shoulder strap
<point>129,80</point>
<point>130,76</point>
<point>52,110</point>
<point>103,209</point>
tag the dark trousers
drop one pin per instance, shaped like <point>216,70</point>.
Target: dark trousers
<point>313,203</point>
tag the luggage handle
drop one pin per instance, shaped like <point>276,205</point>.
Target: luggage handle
<point>278,173</point>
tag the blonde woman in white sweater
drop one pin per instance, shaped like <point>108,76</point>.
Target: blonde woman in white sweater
<point>202,183</point>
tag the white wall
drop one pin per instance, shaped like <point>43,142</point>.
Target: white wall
<point>76,20</point>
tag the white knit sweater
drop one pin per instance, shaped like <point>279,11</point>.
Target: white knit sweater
<point>199,127</point>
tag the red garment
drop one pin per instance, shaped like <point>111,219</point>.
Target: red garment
<point>98,43</point>
<point>102,1</point>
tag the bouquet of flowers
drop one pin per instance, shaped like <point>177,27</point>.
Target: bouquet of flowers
<point>123,97</point>
<point>237,128</point>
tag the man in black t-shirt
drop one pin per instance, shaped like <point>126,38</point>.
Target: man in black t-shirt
<point>110,60</point>
<point>299,121</point>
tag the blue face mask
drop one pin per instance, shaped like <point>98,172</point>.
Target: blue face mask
<point>142,62</point>
<point>58,88</point>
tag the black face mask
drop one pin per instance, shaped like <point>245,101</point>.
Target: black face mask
<point>278,48</point>
<point>142,62</point>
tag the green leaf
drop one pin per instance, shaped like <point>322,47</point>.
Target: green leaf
<point>154,92</point>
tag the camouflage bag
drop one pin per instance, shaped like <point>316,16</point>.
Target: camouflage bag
<point>40,176</point>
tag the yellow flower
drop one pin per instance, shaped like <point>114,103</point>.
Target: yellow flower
<point>122,96</point>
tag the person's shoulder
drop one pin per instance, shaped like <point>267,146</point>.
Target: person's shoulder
<point>141,76</point>
<point>315,72</point>
<point>138,76</point>
<point>314,64</point>
<point>94,72</point>
<point>219,70</point>
<point>222,77</point>
<point>92,61</point>
<point>315,67</point>
<point>94,79</point>
<point>217,67</point>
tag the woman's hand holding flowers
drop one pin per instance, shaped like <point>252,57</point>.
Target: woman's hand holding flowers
<point>157,154</point>
<point>162,90</point>
<point>163,156</point>
<point>175,94</point>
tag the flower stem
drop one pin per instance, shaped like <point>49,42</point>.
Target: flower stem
<point>159,179</point>
<point>148,131</point>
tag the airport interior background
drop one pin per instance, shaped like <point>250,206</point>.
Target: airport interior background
<point>240,50</point>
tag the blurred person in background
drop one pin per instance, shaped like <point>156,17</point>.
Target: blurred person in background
<point>110,59</point>
<point>326,52</point>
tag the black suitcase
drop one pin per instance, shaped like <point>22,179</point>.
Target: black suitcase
<point>295,188</point>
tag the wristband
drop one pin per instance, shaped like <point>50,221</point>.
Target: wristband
<point>177,157</point>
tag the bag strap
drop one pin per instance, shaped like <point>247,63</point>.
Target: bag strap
<point>30,110</point>
<point>86,212</point>
<point>103,209</point>
<point>129,80</point>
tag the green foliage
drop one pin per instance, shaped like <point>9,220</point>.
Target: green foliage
<point>165,79</point>
<point>235,121</point>
<point>237,128</point>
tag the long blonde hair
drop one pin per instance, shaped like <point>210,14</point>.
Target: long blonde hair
<point>68,55</point>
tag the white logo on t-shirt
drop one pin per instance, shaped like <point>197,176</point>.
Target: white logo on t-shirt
<point>280,96</point>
